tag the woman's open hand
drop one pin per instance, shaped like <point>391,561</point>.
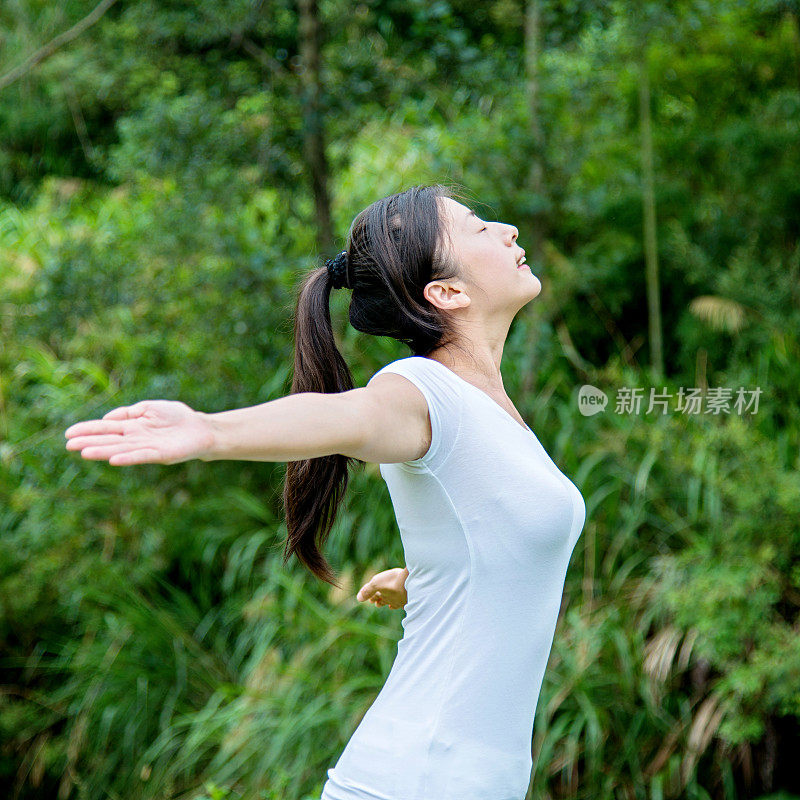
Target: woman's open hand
<point>148,432</point>
<point>387,588</point>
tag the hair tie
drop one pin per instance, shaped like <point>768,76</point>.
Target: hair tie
<point>339,270</point>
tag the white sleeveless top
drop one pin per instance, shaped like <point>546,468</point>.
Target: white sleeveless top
<point>488,524</point>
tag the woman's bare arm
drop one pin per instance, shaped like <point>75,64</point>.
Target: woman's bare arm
<point>380,423</point>
<point>383,423</point>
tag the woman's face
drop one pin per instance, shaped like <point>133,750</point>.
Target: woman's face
<point>487,254</point>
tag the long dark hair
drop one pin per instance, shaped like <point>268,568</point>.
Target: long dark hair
<point>395,247</point>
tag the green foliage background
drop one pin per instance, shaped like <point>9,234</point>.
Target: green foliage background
<point>155,221</point>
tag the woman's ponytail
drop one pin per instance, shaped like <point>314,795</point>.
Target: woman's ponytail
<point>314,487</point>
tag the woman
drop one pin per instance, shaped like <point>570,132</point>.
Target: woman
<point>487,520</point>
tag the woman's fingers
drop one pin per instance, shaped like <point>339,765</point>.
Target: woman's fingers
<point>92,427</point>
<point>79,442</point>
<point>366,591</point>
<point>108,451</point>
<point>369,592</point>
<point>146,455</point>
<point>127,412</point>
<point>115,421</point>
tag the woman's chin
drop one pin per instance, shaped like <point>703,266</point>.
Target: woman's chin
<point>536,287</point>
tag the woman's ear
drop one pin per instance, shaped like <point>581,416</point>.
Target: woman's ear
<point>447,295</point>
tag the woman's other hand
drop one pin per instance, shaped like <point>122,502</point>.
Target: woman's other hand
<point>148,432</point>
<point>387,588</point>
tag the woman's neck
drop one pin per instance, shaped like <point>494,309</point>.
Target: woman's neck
<point>471,366</point>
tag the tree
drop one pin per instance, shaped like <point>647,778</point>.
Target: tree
<point>313,125</point>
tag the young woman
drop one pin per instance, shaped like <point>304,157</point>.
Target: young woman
<point>487,520</point>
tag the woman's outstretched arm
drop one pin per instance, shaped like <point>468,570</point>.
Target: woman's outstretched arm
<point>291,428</point>
<point>384,422</point>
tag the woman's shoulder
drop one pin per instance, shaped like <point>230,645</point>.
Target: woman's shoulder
<point>409,364</point>
<point>443,398</point>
